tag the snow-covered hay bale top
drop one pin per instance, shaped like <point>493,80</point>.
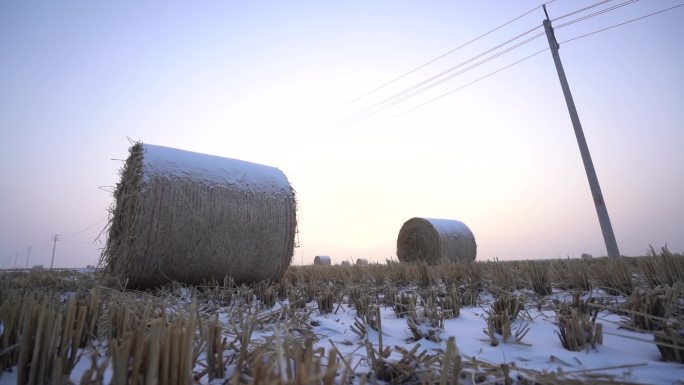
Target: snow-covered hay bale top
<point>435,241</point>
<point>190,217</point>
<point>323,260</point>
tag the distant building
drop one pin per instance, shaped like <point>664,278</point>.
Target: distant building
<point>37,267</point>
<point>586,256</point>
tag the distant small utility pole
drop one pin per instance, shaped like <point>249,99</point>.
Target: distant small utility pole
<point>28,252</point>
<point>55,238</point>
<point>16,255</point>
<point>601,210</point>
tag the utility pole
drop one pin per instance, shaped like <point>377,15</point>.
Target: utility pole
<point>16,255</point>
<point>28,252</point>
<point>601,210</point>
<point>55,238</point>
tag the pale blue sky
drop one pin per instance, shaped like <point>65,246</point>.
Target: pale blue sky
<point>239,79</point>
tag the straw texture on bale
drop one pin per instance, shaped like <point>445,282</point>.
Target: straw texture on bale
<point>435,241</point>
<point>322,260</point>
<point>190,217</point>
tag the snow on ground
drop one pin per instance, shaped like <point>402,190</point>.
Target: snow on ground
<point>634,356</point>
<point>630,356</point>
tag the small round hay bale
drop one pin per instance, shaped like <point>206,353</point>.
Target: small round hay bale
<point>190,217</point>
<point>345,263</point>
<point>322,260</point>
<point>435,240</point>
<point>361,261</point>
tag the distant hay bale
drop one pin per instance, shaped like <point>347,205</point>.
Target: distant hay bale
<point>435,240</point>
<point>361,261</point>
<point>190,217</point>
<point>322,260</point>
<point>345,263</point>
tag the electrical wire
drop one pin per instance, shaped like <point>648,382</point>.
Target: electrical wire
<point>596,13</point>
<point>392,81</point>
<point>390,102</point>
<point>407,93</point>
<point>379,106</point>
<point>82,229</point>
<point>582,10</point>
<point>620,24</point>
<point>464,86</point>
<point>367,113</point>
<point>524,59</point>
<point>425,64</point>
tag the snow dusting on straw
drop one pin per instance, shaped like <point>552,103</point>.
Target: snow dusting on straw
<point>448,226</point>
<point>211,170</point>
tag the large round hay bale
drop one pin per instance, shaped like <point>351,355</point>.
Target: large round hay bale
<point>435,240</point>
<point>322,260</point>
<point>361,261</point>
<point>190,217</point>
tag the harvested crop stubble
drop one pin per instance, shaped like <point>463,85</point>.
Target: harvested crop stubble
<point>435,240</point>
<point>191,217</point>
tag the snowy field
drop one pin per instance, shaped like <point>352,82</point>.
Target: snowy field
<point>315,314</point>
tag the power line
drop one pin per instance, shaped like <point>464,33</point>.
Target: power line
<point>92,226</point>
<point>80,242</point>
<point>70,238</point>
<point>623,23</point>
<point>345,104</point>
<point>522,60</point>
<point>388,102</point>
<point>369,110</point>
<point>605,10</point>
<point>391,101</point>
<point>440,78</point>
<point>464,86</point>
<point>582,10</point>
<point>367,113</point>
<point>357,98</point>
<point>83,228</point>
